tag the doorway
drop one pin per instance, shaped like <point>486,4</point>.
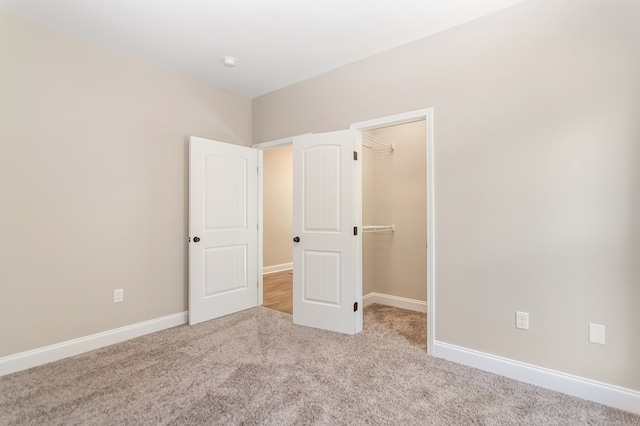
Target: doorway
<point>394,215</point>
<point>277,181</point>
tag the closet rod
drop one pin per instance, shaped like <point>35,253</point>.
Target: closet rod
<point>379,228</point>
<point>378,141</point>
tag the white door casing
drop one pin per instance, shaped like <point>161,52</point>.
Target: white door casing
<point>324,216</point>
<point>409,117</point>
<point>223,220</point>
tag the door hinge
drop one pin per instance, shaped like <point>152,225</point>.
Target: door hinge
<point>355,155</point>
<point>355,230</point>
<point>355,307</point>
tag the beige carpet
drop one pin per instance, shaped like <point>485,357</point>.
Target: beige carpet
<point>256,367</point>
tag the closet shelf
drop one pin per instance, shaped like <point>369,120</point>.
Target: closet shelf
<point>378,228</point>
<point>377,144</point>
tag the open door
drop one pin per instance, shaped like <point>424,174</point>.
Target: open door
<point>223,235</point>
<point>325,276</point>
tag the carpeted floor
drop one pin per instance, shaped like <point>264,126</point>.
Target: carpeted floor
<point>256,367</point>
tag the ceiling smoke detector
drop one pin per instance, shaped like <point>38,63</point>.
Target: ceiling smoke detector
<point>229,61</point>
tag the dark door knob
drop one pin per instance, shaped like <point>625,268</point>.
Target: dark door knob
<point>296,239</point>
<point>196,239</point>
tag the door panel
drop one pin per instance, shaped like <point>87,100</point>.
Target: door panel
<point>223,215</point>
<point>321,192</point>
<point>323,219</point>
<point>322,277</point>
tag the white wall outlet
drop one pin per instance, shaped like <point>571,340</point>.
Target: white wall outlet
<point>118,295</point>
<point>596,333</point>
<point>522,320</point>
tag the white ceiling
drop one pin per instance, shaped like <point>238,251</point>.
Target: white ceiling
<point>276,42</point>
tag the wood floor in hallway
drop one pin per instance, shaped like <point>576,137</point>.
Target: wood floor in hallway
<point>278,291</point>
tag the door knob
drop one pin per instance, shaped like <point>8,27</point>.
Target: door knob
<point>196,239</point>
<point>296,239</point>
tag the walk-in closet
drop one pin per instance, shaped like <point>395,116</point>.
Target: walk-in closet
<point>394,215</point>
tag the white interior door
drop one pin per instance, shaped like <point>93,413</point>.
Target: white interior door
<point>324,216</point>
<point>223,220</point>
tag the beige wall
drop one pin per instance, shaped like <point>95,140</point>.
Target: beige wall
<point>93,184</point>
<point>278,206</point>
<point>394,192</point>
<point>537,173</point>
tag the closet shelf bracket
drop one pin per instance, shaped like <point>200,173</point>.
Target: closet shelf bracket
<point>377,144</point>
<point>378,228</point>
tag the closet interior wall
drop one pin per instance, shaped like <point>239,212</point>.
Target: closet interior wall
<point>394,188</point>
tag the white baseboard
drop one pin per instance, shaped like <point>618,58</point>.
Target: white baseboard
<point>277,268</point>
<point>33,358</point>
<point>395,301</point>
<point>591,390</point>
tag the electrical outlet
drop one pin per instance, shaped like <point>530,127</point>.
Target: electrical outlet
<point>522,320</point>
<point>596,333</point>
<point>118,295</point>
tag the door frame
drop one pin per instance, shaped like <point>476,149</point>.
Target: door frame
<point>404,118</point>
<point>425,114</point>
